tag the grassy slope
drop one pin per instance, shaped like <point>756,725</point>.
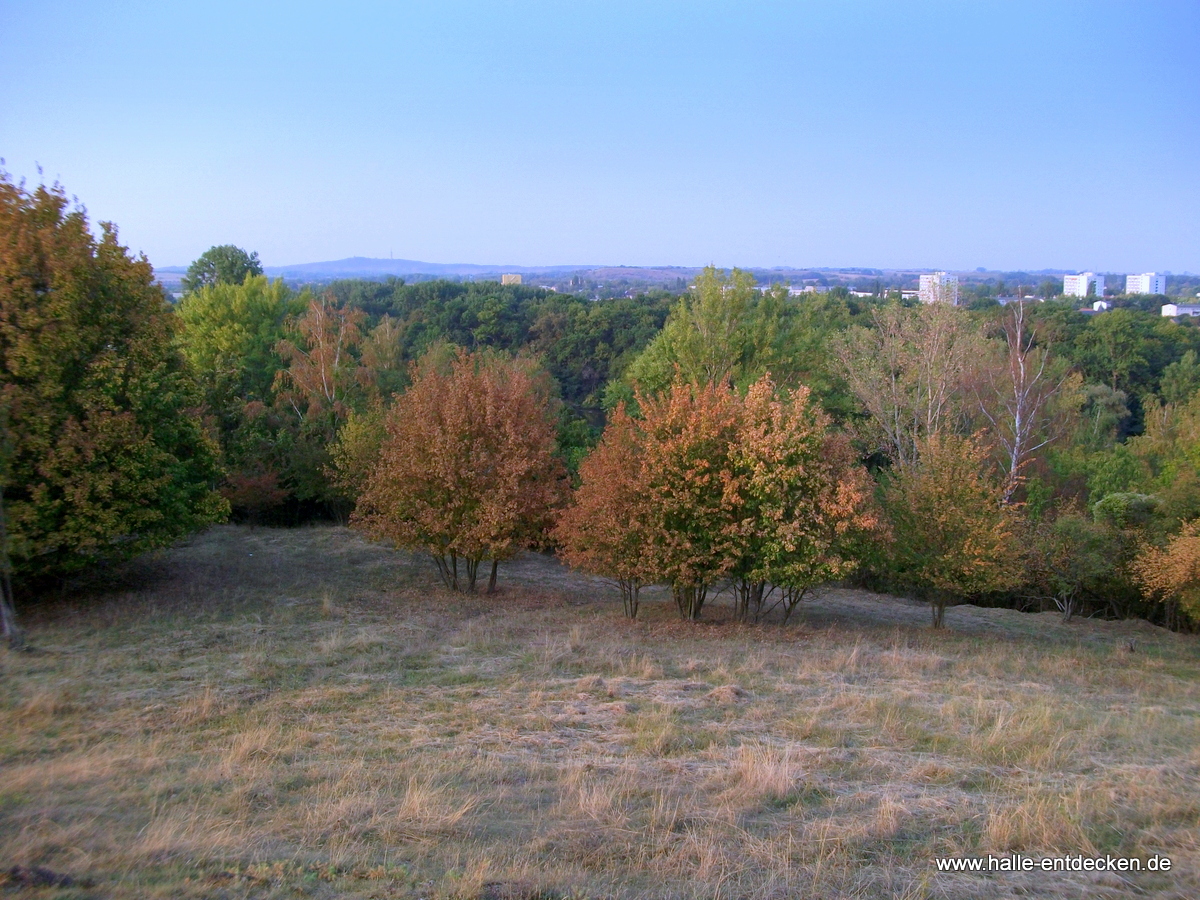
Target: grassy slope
<point>288,713</point>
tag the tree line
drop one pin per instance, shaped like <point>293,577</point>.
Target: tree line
<point>732,438</point>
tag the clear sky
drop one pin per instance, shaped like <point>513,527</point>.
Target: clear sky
<point>1005,134</point>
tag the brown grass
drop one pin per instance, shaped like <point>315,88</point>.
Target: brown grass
<point>267,713</point>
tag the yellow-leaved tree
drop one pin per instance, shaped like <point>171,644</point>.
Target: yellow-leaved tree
<point>1172,573</point>
<point>953,536</point>
<point>806,498</point>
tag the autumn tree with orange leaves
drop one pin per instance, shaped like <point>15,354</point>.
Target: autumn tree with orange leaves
<point>710,486</point>
<point>688,434</point>
<point>607,528</point>
<point>468,470</point>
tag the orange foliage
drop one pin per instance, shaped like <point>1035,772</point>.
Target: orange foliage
<point>1173,573</point>
<point>605,531</point>
<point>710,485</point>
<point>467,470</point>
<point>695,499</point>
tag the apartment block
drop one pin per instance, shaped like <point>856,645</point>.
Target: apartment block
<point>1083,284</point>
<point>1149,283</point>
<point>940,287</point>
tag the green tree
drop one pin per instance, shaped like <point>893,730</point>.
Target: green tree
<point>723,332</point>
<point>355,453</point>
<point>231,334</point>
<point>106,455</point>
<point>1070,557</point>
<point>225,264</point>
<point>1050,287</point>
<point>1113,349</point>
<point>1181,379</point>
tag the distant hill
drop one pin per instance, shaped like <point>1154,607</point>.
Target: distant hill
<point>363,266</point>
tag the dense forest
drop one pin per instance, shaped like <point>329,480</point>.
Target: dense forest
<point>732,436</point>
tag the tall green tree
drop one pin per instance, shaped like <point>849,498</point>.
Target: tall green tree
<point>106,456</point>
<point>225,264</point>
<point>723,332</point>
<point>231,334</point>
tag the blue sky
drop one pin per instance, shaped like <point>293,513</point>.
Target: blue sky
<point>842,133</point>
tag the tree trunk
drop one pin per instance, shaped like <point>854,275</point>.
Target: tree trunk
<point>492,580</point>
<point>741,600</point>
<point>629,596</point>
<point>9,629</point>
<point>690,600</point>
<point>937,605</point>
<point>748,599</point>
<point>756,598</point>
<point>447,569</point>
<point>791,599</point>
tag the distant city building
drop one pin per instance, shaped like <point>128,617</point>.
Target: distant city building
<point>510,279</point>
<point>1083,284</point>
<point>1101,305</point>
<point>940,287</point>
<point>1149,283</point>
<point>1171,310</point>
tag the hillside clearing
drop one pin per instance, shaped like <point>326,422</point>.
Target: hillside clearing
<point>277,713</point>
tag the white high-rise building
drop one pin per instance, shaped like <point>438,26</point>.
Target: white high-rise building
<point>940,287</point>
<point>1083,284</point>
<point>1148,283</point>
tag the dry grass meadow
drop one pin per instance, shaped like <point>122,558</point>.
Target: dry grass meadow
<point>263,713</point>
